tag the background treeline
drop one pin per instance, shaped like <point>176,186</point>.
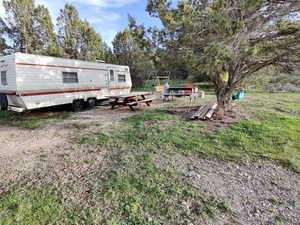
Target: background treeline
<point>29,28</point>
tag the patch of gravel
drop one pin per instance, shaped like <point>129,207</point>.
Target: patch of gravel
<point>24,150</point>
<point>260,192</point>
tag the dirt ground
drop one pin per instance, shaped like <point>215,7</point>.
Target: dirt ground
<point>22,150</point>
<point>260,192</point>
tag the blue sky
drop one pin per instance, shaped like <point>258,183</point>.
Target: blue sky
<point>106,16</point>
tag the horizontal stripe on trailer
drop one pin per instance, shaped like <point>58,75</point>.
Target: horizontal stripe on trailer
<point>64,91</point>
<point>66,67</point>
<point>58,92</point>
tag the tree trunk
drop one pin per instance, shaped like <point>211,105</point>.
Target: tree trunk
<point>224,99</point>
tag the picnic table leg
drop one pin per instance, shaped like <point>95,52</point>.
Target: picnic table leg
<point>144,98</point>
<point>127,100</point>
<point>114,103</point>
<point>131,108</point>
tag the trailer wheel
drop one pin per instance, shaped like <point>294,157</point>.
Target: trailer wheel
<point>77,105</point>
<point>91,102</point>
<point>3,102</point>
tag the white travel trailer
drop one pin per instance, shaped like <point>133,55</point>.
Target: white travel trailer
<point>34,81</point>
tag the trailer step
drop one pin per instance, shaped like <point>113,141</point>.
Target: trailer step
<point>15,108</point>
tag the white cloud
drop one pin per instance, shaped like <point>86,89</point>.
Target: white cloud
<point>103,17</point>
<point>106,3</point>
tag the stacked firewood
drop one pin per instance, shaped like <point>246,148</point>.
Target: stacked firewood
<point>205,112</point>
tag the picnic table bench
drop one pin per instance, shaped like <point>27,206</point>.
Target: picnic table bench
<point>130,99</point>
<point>191,92</point>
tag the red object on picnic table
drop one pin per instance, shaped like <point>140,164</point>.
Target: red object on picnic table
<point>189,85</point>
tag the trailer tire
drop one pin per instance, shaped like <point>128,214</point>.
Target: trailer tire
<point>91,103</point>
<point>77,105</point>
<point>3,102</point>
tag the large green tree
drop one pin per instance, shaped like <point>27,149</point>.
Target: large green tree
<point>18,23</point>
<point>231,40</point>
<point>91,45</point>
<point>76,37</point>
<point>132,48</point>
<point>69,33</point>
<point>28,27</point>
<point>44,37</point>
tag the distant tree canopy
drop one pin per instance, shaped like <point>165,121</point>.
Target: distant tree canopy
<point>132,48</point>
<point>30,29</point>
<point>76,37</point>
<point>230,40</point>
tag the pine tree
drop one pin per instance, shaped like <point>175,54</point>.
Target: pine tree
<point>76,37</point>
<point>69,35</point>
<point>129,49</point>
<point>28,27</point>
<point>18,24</point>
<point>44,37</point>
<point>91,46</point>
<point>109,55</point>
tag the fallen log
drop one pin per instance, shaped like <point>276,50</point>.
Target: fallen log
<point>205,111</point>
<point>211,112</point>
<point>198,112</point>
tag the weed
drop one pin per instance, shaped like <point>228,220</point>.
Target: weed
<point>275,201</point>
<point>80,126</point>
<point>43,156</point>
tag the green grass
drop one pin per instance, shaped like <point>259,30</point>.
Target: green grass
<point>287,103</point>
<point>20,120</point>
<point>275,137</point>
<point>36,206</point>
<point>141,193</point>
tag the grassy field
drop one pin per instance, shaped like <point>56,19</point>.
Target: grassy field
<point>138,189</point>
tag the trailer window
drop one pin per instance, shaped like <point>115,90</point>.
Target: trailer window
<point>121,78</point>
<point>70,77</point>
<point>3,78</point>
<point>112,75</point>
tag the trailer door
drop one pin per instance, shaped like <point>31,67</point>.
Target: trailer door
<point>111,78</point>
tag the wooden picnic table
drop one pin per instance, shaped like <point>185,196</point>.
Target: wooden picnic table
<point>130,99</point>
<point>191,92</point>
